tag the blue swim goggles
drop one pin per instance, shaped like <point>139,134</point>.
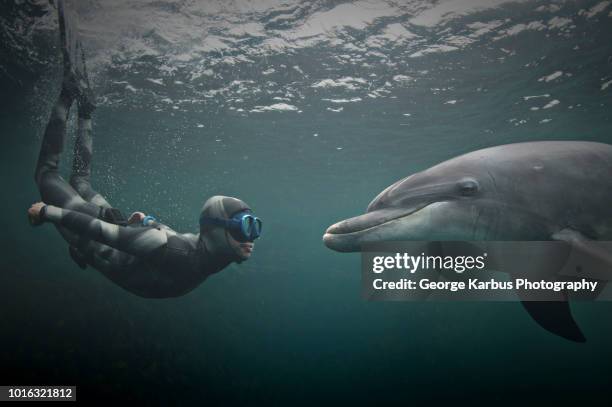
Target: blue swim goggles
<point>243,226</point>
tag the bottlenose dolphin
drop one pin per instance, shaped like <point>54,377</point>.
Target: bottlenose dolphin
<point>545,190</point>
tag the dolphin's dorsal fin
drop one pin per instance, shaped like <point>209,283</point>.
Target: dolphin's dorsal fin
<point>555,317</point>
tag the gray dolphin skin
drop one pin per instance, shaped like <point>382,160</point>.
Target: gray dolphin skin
<point>545,190</point>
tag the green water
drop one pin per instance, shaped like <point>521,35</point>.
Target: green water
<point>289,326</point>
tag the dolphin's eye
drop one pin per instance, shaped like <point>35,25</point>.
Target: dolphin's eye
<point>468,187</point>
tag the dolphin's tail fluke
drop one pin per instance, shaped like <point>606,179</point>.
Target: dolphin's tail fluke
<point>555,317</point>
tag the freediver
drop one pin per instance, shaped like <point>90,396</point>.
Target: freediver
<point>139,254</point>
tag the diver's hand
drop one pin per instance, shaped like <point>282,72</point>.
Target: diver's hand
<point>34,213</point>
<point>136,217</point>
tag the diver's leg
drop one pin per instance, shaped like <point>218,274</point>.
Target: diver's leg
<point>81,163</point>
<point>53,188</point>
<point>83,146</point>
<point>53,139</point>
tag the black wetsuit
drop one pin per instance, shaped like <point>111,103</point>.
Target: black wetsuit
<point>150,261</point>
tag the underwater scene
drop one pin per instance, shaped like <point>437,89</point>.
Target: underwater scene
<point>305,110</point>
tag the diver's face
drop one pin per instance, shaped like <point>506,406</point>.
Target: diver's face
<point>242,249</point>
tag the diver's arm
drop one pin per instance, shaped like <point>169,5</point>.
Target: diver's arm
<point>136,241</point>
<point>148,220</point>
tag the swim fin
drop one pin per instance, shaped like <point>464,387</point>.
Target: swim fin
<point>76,80</point>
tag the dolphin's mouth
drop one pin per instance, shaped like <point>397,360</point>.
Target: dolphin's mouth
<point>359,225</point>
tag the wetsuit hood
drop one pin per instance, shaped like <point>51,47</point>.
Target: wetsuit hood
<point>215,237</point>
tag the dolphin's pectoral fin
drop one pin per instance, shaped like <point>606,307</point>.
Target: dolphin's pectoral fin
<point>555,317</point>
<point>588,259</point>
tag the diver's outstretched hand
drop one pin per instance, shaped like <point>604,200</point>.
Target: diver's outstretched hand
<point>34,213</point>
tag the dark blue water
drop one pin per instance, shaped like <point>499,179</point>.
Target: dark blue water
<point>187,110</point>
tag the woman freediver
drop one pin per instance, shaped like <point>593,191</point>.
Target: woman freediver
<point>141,254</point>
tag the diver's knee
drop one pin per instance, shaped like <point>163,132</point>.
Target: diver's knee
<point>76,183</point>
<point>82,187</point>
<point>43,174</point>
